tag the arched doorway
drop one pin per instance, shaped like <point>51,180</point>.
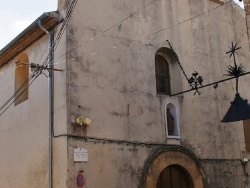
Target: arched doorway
<point>172,167</point>
<point>174,176</point>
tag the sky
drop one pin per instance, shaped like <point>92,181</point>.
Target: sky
<point>16,15</point>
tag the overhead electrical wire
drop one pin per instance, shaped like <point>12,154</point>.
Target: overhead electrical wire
<point>125,43</point>
<point>2,110</point>
<point>20,89</point>
<point>68,15</point>
<point>58,36</point>
<point>111,27</point>
<point>66,19</point>
<point>56,42</point>
<point>34,76</point>
<point>74,3</point>
<point>156,32</point>
<point>62,29</point>
<point>198,15</point>
<point>93,139</point>
<point>102,140</point>
<point>131,41</point>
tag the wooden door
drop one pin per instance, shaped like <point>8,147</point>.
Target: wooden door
<point>174,176</point>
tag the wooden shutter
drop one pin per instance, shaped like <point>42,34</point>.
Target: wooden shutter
<point>246,124</point>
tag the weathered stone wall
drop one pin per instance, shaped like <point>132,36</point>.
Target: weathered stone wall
<point>225,173</point>
<point>111,80</point>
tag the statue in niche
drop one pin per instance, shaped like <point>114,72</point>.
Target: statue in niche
<point>170,122</point>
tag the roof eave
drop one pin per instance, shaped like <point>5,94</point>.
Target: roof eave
<point>27,37</point>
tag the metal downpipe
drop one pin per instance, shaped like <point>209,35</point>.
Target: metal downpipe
<point>51,99</point>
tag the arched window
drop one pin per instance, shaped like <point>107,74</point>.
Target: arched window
<point>162,75</point>
<point>21,79</point>
<point>167,71</point>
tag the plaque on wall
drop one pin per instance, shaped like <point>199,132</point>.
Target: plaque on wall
<point>80,155</point>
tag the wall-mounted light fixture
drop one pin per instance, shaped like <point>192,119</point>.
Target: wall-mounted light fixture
<point>83,121</point>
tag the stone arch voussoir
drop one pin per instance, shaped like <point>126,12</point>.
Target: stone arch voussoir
<point>172,155</point>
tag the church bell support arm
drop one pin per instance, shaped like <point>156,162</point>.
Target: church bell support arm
<point>240,108</point>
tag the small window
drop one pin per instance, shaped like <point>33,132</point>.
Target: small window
<point>162,75</point>
<point>246,124</point>
<point>171,118</point>
<point>21,79</point>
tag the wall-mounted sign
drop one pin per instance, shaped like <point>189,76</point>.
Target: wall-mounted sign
<point>80,155</point>
<point>80,180</point>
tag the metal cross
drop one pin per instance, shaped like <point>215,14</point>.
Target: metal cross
<point>235,70</point>
<point>233,51</point>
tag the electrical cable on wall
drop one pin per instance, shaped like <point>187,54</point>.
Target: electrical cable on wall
<point>122,44</point>
<point>154,33</point>
<point>148,145</point>
<point>35,75</point>
<point>189,19</point>
<point>70,11</point>
<point>4,110</point>
<point>20,89</point>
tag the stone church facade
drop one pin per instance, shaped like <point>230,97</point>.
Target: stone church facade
<point>118,120</point>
